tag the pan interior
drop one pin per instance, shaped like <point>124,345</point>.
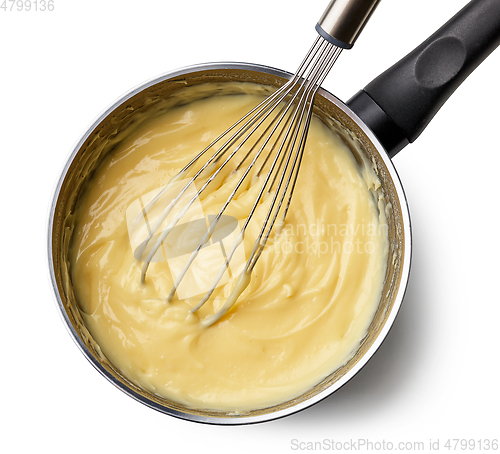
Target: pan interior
<point>153,100</point>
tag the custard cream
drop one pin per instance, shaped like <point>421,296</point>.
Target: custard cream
<point>305,307</point>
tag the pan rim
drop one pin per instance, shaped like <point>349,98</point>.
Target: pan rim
<point>405,268</point>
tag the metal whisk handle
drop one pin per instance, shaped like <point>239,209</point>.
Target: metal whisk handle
<point>343,20</point>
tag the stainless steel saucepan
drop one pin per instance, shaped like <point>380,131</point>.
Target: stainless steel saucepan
<point>384,117</point>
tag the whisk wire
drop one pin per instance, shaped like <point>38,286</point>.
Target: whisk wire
<point>268,106</point>
<point>288,112</point>
<point>325,54</point>
<point>306,102</point>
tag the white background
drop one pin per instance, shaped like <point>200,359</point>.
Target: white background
<point>435,377</point>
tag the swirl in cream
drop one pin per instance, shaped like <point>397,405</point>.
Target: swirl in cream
<point>310,298</point>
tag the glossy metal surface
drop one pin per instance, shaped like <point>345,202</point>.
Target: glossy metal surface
<point>343,20</point>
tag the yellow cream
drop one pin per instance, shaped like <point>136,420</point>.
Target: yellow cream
<point>300,316</point>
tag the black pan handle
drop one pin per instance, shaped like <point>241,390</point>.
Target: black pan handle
<point>398,104</point>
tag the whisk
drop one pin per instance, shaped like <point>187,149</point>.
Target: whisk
<point>269,142</point>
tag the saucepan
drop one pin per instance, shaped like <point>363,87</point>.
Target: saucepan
<point>381,119</point>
